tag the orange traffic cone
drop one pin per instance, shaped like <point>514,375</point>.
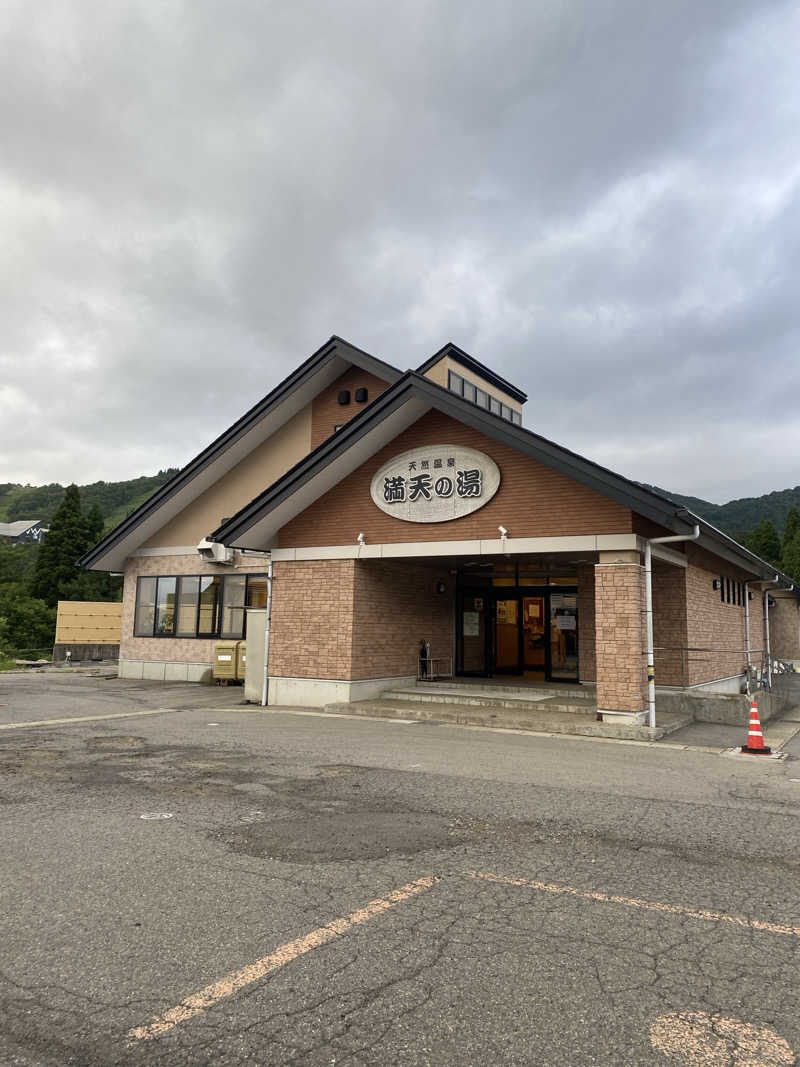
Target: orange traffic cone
<point>755,739</point>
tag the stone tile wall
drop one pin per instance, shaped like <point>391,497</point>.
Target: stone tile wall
<point>171,649</point>
<point>620,637</point>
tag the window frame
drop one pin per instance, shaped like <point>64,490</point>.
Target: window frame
<point>179,579</point>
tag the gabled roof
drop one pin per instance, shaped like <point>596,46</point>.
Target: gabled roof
<point>407,400</point>
<point>16,529</point>
<point>261,421</point>
<point>458,355</point>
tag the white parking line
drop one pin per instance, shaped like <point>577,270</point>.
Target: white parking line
<point>633,902</point>
<point>206,998</point>
<point>90,718</point>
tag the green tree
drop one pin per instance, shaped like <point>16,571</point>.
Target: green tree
<point>68,538</point>
<point>791,557</point>
<point>764,541</point>
<point>26,623</point>
<point>792,526</point>
<point>94,523</point>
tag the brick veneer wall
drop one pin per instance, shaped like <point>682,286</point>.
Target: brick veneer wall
<point>171,649</point>
<point>669,623</point>
<point>712,624</point>
<point>347,619</point>
<point>587,660</point>
<point>312,619</point>
<point>784,625</point>
<point>327,412</point>
<point>620,643</point>
<point>533,500</point>
<point>397,606</point>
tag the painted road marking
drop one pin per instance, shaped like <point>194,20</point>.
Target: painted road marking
<point>697,1038</point>
<point>206,998</point>
<point>90,718</point>
<point>646,905</point>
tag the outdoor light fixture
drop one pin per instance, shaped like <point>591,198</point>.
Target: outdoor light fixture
<point>503,531</point>
<point>750,594</point>
<point>361,539</point>
<point>440,587</point>
<point>717,583</point>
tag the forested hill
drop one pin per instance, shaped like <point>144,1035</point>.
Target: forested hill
<point>115,499</point>
<point>739,515</point>
<point>118,499</point>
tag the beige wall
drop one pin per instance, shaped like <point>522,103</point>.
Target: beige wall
<point>172,649</point>
<point>83,622</point>
<point>439,373</point>
<point>267,462</point>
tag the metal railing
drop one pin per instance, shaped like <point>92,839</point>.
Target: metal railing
<point>437,667</point>
<point>753,665</point>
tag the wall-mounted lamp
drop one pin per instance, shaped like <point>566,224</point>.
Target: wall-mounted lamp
<point>750,594</point>
<point>717,584</point>
<point>503,531</point>
<point>361,539</point>
<point>440,587</point>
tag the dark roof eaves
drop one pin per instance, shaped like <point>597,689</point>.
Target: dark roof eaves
<point>281,391</point>
<point>324,453</point>
<point>466,360</point>
<point>643,501</point>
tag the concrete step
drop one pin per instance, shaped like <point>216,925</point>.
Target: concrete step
<point>500,688</point>
<point>547,718</point>
<point>486,698</point>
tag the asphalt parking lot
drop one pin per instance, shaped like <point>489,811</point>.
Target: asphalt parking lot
<point>198,882</point>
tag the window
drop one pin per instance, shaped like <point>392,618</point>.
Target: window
<point>232,624</point>
<point>188,595</point>
<point>208,605</point>
<point>455,383</point>
<point>475,395</point>
<point>207,620</point>
<point>165,606</point>
<point>145,607</point>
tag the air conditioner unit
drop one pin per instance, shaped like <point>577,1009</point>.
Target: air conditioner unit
<point>215,552</point>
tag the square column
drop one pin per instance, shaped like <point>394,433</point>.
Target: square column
<point>620,635</point>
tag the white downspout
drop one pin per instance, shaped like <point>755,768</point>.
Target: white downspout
<point>267,627</point>
<point>648,600</point>
<point>747,634</point>
<point>773,581</point>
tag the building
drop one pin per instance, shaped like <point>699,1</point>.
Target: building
<point>23,530</point>
<point>399,510</point>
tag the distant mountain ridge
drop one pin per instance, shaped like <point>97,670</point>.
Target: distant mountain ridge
<point>118,499</point>
<point>115,499</point>
<point>740,515</point>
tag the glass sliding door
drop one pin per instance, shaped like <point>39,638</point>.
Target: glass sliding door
<point>506,635</point>
<point>534,643</point>
<point>472,631</point>
<point>563,636</point>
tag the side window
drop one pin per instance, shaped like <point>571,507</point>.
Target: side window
<point>144,617</point>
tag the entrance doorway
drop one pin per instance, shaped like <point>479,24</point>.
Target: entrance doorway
<point>530,633</point>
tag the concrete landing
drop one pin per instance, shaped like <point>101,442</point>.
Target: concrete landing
<point>545,715</point>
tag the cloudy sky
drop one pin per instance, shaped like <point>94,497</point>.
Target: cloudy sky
<point>598,198</point>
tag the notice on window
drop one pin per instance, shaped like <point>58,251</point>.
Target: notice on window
<point>565,622</point>
<point>472,624</point>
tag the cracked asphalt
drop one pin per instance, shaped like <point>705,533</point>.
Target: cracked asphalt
<point>581,903</point>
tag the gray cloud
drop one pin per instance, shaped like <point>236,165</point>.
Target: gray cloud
<point>599,200</point>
